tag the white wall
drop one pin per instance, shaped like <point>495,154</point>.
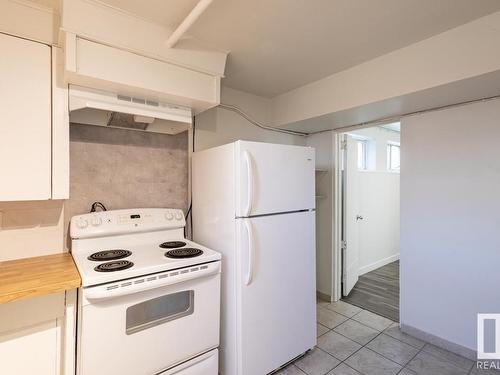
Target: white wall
<point>379,229</point>
<point>450,215</point>
<point>378,200</point>
<point>31,228</point>
<point>219,126</point>
<point>29,21</point>
<point>324,145</point>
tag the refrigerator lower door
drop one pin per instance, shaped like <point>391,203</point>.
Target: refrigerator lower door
<point>276,301</point>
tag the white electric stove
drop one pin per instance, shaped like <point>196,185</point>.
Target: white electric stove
<point>150,299</point>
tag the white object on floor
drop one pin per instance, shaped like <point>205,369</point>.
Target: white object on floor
<point>255,203</point>
<point>155,314</point>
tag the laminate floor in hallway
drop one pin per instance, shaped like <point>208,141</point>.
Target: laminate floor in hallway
<point>378,291</point>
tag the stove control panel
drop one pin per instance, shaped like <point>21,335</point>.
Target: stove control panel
<point>106,223</point>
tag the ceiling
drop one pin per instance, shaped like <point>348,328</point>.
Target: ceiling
<point>278,45</point>
<point>168,13</point>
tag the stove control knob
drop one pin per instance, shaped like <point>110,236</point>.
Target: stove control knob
<point>178,216</point>
<point>96,221</point>
<point>82,223</point>
<point>169,216</point>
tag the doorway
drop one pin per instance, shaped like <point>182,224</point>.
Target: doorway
<point>370,170</point>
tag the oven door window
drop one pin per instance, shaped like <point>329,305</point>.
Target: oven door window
<point>159,310</point>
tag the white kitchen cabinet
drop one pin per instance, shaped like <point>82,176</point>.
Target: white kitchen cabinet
<point>37,335</point>
<point>34,125</point>
<point>31,350</point>
<point>25,130</point>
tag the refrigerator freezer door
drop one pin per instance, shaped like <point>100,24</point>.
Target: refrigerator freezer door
<point>277,295</point>
<point>272,178</point>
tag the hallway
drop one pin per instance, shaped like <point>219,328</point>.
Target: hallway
<point>378,291</point>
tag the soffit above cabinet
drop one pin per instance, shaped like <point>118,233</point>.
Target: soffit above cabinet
<point>109,49</point>
<point>103,67</point>
<point>111,26</point>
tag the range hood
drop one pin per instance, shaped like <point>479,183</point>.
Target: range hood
<point>101,108</point>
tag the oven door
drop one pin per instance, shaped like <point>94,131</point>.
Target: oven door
<point>147,332</point>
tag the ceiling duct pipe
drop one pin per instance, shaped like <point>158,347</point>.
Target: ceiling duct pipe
<point>188,22</point>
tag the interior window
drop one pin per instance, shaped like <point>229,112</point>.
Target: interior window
<point>393,156</point>
<point>362,154</point>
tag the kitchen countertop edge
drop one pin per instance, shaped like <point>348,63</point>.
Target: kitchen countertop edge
<point>37,276</point>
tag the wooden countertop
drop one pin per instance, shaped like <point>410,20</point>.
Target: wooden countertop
<point>37,276</point>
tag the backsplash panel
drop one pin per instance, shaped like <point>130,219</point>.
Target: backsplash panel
<point>126,169</point>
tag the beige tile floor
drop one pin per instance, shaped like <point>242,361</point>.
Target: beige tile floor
<point>353,341</point>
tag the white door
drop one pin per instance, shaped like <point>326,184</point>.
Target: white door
<point>25,129</point>
<point>277,290</point>
<point>272,178</point>
<point>350,257</point>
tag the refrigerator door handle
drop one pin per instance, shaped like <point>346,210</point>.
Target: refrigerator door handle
<point>248,226</point>
<point>248,160</point>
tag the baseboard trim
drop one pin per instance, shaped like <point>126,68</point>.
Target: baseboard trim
<point>323,296</point>
<point>378,264</point>
<point>440,342</point>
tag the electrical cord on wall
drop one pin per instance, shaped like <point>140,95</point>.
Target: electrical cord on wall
<point>247,117</point>
<point>188,212</point>
<point>194,129</point>
<point>96,205</point>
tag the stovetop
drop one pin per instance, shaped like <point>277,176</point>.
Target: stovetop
<point>140,260</point>
<point>109,254</point>
<point>116,245</point>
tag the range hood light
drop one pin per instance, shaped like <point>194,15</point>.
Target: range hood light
<point>144,119</point>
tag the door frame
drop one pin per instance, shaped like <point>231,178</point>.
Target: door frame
<point>338,152</point>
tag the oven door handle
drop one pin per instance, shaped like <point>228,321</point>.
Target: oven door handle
<point>149,282</point>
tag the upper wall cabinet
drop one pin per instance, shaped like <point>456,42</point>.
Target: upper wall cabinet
<point>26,131</point>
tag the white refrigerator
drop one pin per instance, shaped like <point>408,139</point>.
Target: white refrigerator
<point>255,203</point>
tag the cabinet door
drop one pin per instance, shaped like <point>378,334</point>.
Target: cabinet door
<point>31,350</point>
<point>30,335</point>
<point>25,120</point>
